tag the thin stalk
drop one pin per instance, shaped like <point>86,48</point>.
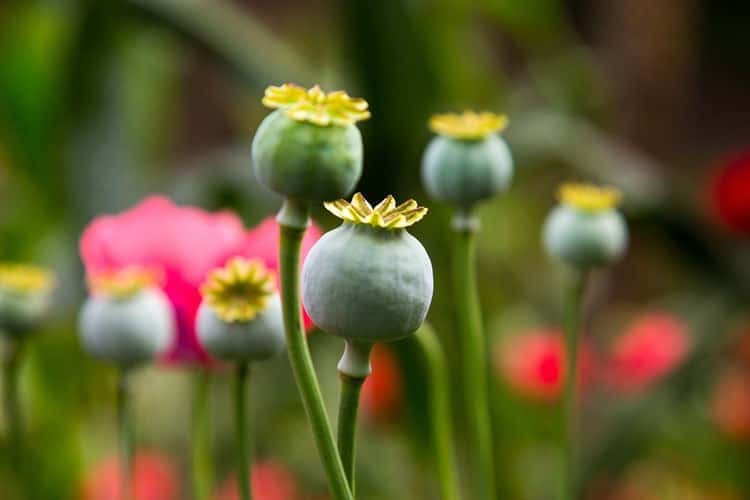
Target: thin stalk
<point>347,423</point>
<point>573,300</point>
<point>126,434</point>
<point>201,459</point>
<point>299,353</point>
<point>440,413</point>
<point>475,363</point>
<point>243,433</point>
<point>12,408</point>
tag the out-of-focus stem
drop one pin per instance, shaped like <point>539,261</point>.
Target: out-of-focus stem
<point>243,433</point>
<point>201,460</point>
<point>573,299</point>
<point>440,413</point>
<point>473,350</point>
<point>12,408</point>
<point>293,220</point>
<point>347,424</point>
<point>126,433</point>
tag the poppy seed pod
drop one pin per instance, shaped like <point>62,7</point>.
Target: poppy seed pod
<point>240,316</point>
<point>467,162</point>
<point>24,297</point>
<point>127,320</point>
<point>309,149</point>
<point>585,230</point>
<point>369,280</point>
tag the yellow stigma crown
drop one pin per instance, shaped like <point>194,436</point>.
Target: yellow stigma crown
<point>239,290</point>
<point>315,106</point>
<point>468,125</point>
<point>589,198</point>
<point>386,214</point>
<point>25,278</point>
<point>123,283</point>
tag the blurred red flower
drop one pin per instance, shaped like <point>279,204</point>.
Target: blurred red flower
<point>651,348</point>
<point>269,481</point>
<point>382,392</point>
<point>730,194</point>
<point>154,478</point>
<point>730,406</point>
<point>534,363</point>
<point>184,244</point>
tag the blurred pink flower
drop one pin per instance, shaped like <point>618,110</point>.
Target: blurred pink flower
<point>534,363</point>
<point>154,478</point>
<point>381,393</point>
<point>730,192</point>
<point>647,351</point>
<point>183,244</point>
<point>730,405</point>
<point>269,481</point>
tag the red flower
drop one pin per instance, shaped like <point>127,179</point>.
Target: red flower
<point>154,478</point>
<point>730,407</point>
<point>381,393</point>
<point>269,480</point>
<point>650,349</point>
<point>731,193</point>
<point>535,364</point>
<point>184,244</point>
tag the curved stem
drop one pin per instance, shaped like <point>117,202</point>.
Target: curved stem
<point>440,413</point>
<point>573,299</point>
<point>347,423</point>
<point>127,438</point>
<point>299,355</point>
<point>474,360</point>
<point>201,459</point>
<point>243,434</point>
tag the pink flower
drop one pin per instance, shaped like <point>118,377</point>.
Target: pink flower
<point>730,192</point>
<point>269,481</point>
<point>649,350</point>
<point>154,478</point>
<point>534,363</point>
<point>382,393</point>
<point>184,244</point>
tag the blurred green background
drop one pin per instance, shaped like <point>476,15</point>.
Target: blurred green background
<point>104,102</point>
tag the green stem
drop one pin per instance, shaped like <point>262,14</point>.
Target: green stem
<point>201,460</point>
<point>243,434</point>
<point>573,299</point>
<point>12,408</point>
<point>299,353</point>
<point>126,433</point>
<point>440,413</point>
<point>475,363</point>
<point>347,423</point>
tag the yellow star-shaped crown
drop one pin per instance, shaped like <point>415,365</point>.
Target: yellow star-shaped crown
<point>239,290</point>
<point>589,198</point>
<point>385,214</point>
<point>123,283</point>
<point>25,278</point>
<point>468,125</point>
<point>315,106</point>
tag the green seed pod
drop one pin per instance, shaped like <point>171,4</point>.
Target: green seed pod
<point>129,329</point>
<point>585,230</point>
<point>309,149</point>
<point>467,162</point>
<point>24,297</point>
<point>240,316</point>
<point>369,280</point>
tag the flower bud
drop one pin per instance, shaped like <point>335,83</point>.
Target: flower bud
<point>585,230</point>
<point>467,162</point>
<point>126,320</point>
<point>24,296</point>
<point>369,280</point>
<point>309,148</point>
<point>240,316</point>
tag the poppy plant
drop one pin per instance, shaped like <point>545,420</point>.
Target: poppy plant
<point>154,478</point>
<point>270,481</point>
<point>730,192</point>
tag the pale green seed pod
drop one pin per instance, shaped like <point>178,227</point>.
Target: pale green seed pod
<point>25,292</point>
<point>240,317</point>
<point>586,230</point>
<point>127,330</point>
<point>309,149</point>
<point>468,161</point>
<point>369,280</point>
